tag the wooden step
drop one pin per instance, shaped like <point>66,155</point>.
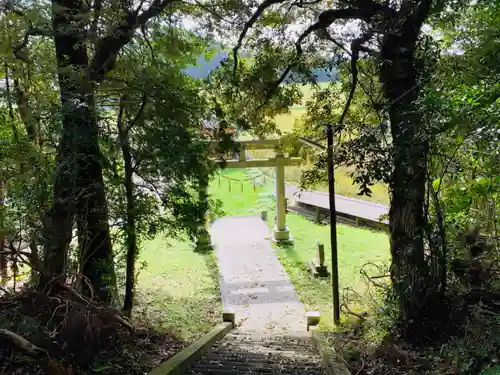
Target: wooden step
<point>254,352</point>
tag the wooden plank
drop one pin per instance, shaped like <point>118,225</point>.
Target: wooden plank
<point>180,362</point>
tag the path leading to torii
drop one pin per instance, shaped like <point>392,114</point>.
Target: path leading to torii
<point>271,339</point>
<point>252,280</point>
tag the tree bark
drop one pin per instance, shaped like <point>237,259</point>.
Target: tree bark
<point>3,255</point>
<point>130,222</point>
<point>32,126</point>
<point>79,184</point>
<point>409,271</point>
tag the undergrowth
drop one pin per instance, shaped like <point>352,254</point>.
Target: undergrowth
<point>371,345</point>
<point>60,332</point>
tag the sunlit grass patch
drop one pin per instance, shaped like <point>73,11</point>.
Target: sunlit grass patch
<point>178,291</point>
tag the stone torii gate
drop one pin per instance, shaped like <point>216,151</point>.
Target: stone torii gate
<point>279,161</point>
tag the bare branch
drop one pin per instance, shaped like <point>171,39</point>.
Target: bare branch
<point>139,7</point>
<point>139,112</point>
<point>262,7</point>
<point>312,143</point>
<point>355,48</point>
<point>150,46</point>
<point>211,11</point>
<point>302,4</point>
<point>325,20</point>
<point>154,10</point>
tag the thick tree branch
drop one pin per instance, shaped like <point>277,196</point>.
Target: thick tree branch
<point>154,10</point>
<point>302,3</point>
<point>356,45</point>
<point>325,20</point>
<point>32,31</point>
<point>139,7</point>
<point>365,10</point>
<point>107,48</point>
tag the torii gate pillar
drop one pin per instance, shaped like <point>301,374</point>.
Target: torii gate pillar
<point>281,232</point>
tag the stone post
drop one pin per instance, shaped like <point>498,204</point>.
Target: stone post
<point>263,215</point>
<point>320,248</point>
<point>317,266</point>
<point>281,232</point>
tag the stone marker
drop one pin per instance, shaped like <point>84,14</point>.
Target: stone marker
<point>317,266</point>
<point>313,318</point>
<point>228,316</point>
<point>263,215</point>
<point>320,253</point>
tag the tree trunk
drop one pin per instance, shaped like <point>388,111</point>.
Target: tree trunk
<point>32,126</point>
<point>203,241</point>
<point>409,272</point>
<point>79,184</point>
<point>3,255</point>
<point>130,226</point>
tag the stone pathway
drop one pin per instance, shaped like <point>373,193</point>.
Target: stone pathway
<point>271,338</point>
<point>252,280</point>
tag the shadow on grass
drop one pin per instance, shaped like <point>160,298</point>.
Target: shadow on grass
<point>213,267</point>
<point>293,258</point>
<point>286,245</point>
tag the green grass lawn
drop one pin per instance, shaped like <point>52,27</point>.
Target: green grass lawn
<point>343,185</point>
<point>234,187</point>
<point>285,123</point>
<point>178,291</point>
<point>356,246</point>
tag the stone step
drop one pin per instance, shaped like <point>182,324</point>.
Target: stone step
<point>234,362</point>
<point>253,352</point>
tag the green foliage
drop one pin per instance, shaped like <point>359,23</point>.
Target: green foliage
<point>254,101</point>
<point>462,107</point>
<point>362,144</point>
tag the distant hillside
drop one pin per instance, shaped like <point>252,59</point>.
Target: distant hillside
<point>204,68</point>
